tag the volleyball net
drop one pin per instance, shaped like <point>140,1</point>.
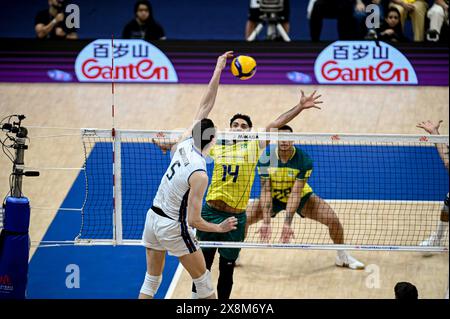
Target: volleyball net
<point>386,190</point>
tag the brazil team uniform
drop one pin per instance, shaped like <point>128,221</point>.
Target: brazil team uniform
<point>283,176</point>
<point>232,180</point>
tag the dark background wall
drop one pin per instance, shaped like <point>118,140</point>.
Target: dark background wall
<point>186,20</point>
<point>193,19</point>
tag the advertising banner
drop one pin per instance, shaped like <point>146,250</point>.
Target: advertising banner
<point>193,62</point>
<point>367,62</point>
<point>134,61</point>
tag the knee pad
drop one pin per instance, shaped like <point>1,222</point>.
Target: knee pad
<point>150,285</point>
<point>204,285</point>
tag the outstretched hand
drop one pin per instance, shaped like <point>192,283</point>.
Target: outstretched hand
<point>228,224</point>
<point>164,144</point>
<point>222,60</point>
<point>311,101</point>
<point>265,232</point>
<point>430,127</point>
<point>287,234</point>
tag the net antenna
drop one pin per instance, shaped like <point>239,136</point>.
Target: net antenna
<point>116,167</point>
<point>271,10</point>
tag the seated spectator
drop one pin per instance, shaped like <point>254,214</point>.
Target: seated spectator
<point>391,28</point>
<point>254,17</point>
<point>405,291</point>
<point>50,23</point>
<point>342,10</point>
<point>416,9</point>
<point>143,26</point>
<point>438,14</point>
<point>361,15</point>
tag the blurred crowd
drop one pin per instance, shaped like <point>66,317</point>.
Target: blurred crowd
<point>356,20</point>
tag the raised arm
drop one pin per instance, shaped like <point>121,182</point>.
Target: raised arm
<point>433,128</point>
<point>209,98</point>
<point>198,182</point>
<point>265,201</point>
<point>293,201</point>
<point>306,102</point>
<point>206,104</point>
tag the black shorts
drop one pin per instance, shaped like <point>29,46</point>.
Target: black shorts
<point>278,206</point>
<point>254,14</point>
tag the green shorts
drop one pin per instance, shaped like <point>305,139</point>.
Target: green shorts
<point>216,216</point>
<point>278,206</point>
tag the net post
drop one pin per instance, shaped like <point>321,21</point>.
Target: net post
<point>118,189</point>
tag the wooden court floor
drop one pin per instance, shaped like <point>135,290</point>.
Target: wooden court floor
<point>263,273</point>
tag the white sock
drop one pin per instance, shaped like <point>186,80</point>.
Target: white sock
<point>442,227</point>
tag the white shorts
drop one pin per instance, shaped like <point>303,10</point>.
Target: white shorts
<point>162,233</point>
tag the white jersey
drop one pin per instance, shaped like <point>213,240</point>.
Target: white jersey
<point>173,191</point>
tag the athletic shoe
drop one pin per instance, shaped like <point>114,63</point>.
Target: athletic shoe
<point>349,262</point>
<point>433,240</point>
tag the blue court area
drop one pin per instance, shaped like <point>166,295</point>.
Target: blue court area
<point>340,172</point>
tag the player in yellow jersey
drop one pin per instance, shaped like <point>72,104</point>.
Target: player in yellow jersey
<point>232,180</point>
<point>284,171</point>
<point>231,183</point>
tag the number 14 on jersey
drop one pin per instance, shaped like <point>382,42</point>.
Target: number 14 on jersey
<point>228,170</point>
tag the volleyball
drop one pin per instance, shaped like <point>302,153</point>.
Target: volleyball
<point>243,67</point>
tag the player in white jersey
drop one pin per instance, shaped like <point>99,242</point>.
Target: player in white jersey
<point>436,237</point>
<point>178,202</point>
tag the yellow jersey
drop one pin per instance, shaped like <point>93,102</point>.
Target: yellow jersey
<point>283,175</point>
<point>234,172</point>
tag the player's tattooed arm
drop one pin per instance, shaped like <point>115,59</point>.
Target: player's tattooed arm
<point>265,231</point>
<point>292,204</point>
<point>306,102</point>
<point>433,129</point>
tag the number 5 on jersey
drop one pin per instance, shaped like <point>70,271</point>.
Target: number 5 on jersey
<point>172,169</point>
<point>228,170</point>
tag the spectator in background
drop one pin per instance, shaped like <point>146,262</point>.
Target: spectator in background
<point>416,9</point>
<point>342,10</point>
<point>254,17</point>
<point>50,23</point>
<point>391,28</point>
<point>143,26</point>
<point>360,16</point>
<point>405,291</point>
<point>437,15</point>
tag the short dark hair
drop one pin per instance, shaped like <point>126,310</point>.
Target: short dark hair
<point>286,128</point>
<point>242,116</point>
<point>203,133</point>
<point>145,3</point>
<point>405,290</point>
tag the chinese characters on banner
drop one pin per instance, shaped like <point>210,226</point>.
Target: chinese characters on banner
<point>133,60</point>
<point>353,62</point>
